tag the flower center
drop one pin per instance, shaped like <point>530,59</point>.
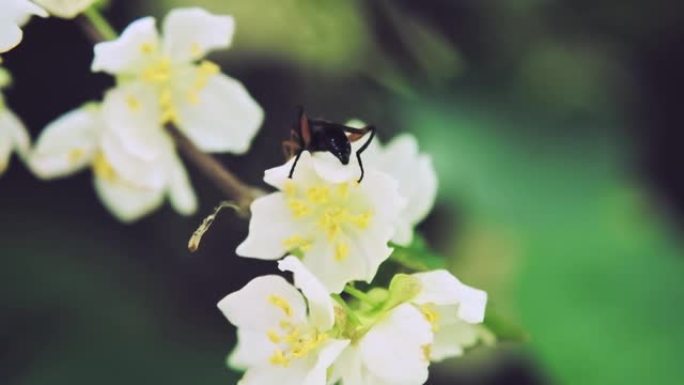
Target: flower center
<point>291,341</point>
<point>162,73</point>
<point>331,210</point>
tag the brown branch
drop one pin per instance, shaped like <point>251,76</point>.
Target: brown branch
<point>235,189</point>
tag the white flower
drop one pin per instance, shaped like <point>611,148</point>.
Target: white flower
<point>416,175</point>
<point>66,9</point>
<point>395,351</point>
<point>453,309</point>
<point>340,227</point>
<point>13,135</point>
<point>279,341</point>
<point>214,110</point>
<point>14,14</point>
<point>133,161</point>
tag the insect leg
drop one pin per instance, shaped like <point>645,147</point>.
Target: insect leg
<point>294,164</point>
<point>356,134</point>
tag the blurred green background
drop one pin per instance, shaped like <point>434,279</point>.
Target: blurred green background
<point>555,129</point>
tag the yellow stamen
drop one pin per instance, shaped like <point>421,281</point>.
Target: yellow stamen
<point>273,336</point>
<point>133,103</point>
<point>75,155</point>
<point>341,251</point>
<point>297,242</point>
<point>103,169</point>
<point>281,303</point>
<point>431,315</point>
<point>147,48</point>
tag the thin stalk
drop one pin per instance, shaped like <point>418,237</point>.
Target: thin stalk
<point>100,24</point>
<point>358,294</point>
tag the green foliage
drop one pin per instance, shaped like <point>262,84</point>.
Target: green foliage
<point>327,34</point>
<point>417,256</point>
<point>599,277</point>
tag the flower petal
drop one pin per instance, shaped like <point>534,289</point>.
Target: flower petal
<point>417,182</point>
<point>452,339</point>
<point>127,202</point>
<point>393,350</point>
<point>263,303</point>
<point>134,142</point>
<point>66,9</point>
<point>130,51</point>
<point>269,226</point>
<point>253,349</point>
<point>10,35</point>
<point>189,33</point>
<point>321,313</point>
<point>307,371</point>
<point>224,118</point>
<point>181,193</point>
<point>305,173</point>
<point>440,287</point>
<point>68,144</point>
<point>326,357</point>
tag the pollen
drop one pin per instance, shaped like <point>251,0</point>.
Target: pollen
<point>330,211</point>
<point>147,48</point>
<point>297,242</point>
<point>103,169</point>
<point>75,155</point>
<point>431,315</point>
<point>281,303</point>
<point>273,336</point>
<point>427,352</point>
<point>294,344</point>
<point>158,72</point>
<point>133,103</point>
<point>196,50</point>
<point>341,251</point>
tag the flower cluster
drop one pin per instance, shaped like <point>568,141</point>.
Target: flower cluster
<point>162,80</point>
<point>334,231</point>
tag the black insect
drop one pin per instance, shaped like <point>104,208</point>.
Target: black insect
<point>320,135</point>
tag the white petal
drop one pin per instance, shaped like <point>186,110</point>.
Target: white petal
<point>366,253</point>
<point>253,349</point>
<point>330,168</point>
<point>127,54</point>
<point>304,173</point>
<point>441,288</point>
<point>321,313</point>
<point>224,118</point>
<point>326,357</point>
<point>10,35</point>
<point>253,307</point>
<point>125,201</point>
<point>393,349</point>
<point>13,136</point>
<point>189,33</point>
<point>67,9</point>
<point>269,226</point>
<point>6,144</point>
<point>68,144</point>
<point>21,10</point>
<point>134,141</point>
<point>181,193</point>
<point>452,339</point>
<point>307,371</point>
<point>348,368</point>
<point>417,181</point>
